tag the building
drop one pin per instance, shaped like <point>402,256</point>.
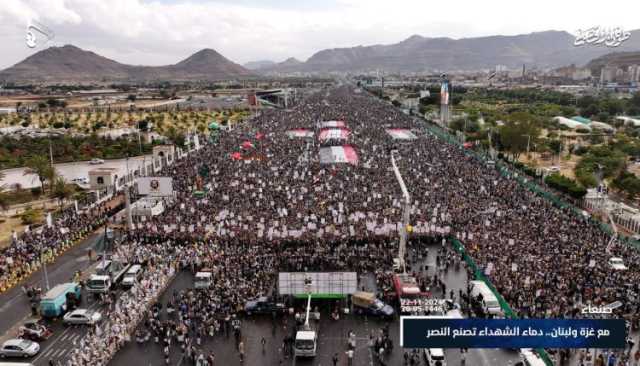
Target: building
<point>102,178</point>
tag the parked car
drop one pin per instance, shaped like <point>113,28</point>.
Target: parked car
<point>80,180</point>
<point>19,348</point>
<point>263,305</point>
<point>34,331</point>
<point>96,161</point>
<point>82,316</point>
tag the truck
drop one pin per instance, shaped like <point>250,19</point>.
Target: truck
<point>484,299</point>
<point>203,280</point>
<point>60,299</point>
<point>306,343</point>
<point>108,273</point>
<point>367,303</point>
<point>262,305</point>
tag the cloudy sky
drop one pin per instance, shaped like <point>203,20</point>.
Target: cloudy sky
<point>160,32</point>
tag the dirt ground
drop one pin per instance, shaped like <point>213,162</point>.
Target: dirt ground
<point>6,227</point>
<point>566,166</point>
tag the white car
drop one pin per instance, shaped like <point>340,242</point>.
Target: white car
<point>617,264</point>
<point>82,316</point>
<point>80,180</point>
<point>96,161</point>
<point>435,357</point>
<point>19,348</point>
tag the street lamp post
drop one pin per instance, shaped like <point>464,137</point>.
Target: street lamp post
<point>405,214</point>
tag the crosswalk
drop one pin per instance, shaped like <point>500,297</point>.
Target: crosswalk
<point>63,347</point>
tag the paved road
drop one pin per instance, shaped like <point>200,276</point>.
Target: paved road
<point>15,305</point>
<point>71,171</point>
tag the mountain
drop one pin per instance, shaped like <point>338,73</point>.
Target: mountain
<point>257,65</point>
<point>547,49</point>
<point>615,59</point>
<point>289,65</point>
<point>70,64</point>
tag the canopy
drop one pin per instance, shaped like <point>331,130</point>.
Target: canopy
<point>214,126</point>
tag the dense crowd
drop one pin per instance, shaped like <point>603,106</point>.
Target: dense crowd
<point>26,250</point>
<point>270,205</point>
<point>546,261</point>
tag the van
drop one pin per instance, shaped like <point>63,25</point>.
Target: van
<point>306,344</point>
<point>133,276</point>
<point>203,280</point>
<point>435,357</point>
<point>489,304</point>
<point>54,302</point>
<point>99,284</point>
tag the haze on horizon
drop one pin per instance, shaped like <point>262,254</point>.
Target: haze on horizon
<point>161,32</point>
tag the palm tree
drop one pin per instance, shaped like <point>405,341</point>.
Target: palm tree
<point>61,190</point>
<point>39,165</point>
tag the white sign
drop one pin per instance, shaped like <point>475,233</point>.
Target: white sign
<point>155,186</point>
<point>293,283</point>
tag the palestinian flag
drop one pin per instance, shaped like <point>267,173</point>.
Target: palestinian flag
<point>334,134</point>
<point>338,154</point>
<point>401,134</point>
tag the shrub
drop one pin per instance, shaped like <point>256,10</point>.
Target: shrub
<point>36,191</point>
<point>565,185</point>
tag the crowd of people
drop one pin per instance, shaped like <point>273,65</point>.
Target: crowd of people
<point>545,260</point>
<point>121,316</point>
<point>46,242</point>
<point>270,205</point>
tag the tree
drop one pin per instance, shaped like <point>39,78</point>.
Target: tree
<point>131,97</point>
<point>40,166</point>
<point>61,190</point>
<point>628,183</point>
<point>520,129</point>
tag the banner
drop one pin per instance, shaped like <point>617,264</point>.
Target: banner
<point>433,332</point>
<point>155,186</point>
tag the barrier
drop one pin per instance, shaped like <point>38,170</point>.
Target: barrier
<point>479,275</point>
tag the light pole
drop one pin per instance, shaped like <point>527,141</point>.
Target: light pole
<point>405,214</point>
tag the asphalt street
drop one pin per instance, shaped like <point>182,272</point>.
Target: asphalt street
<point>15,304</point>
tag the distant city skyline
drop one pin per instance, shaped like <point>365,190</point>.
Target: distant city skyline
<point>167,31</point>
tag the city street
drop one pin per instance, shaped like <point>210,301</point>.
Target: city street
<point>15,304</point>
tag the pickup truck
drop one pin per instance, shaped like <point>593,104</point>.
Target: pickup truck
<point>263,305</point>
<point>367,303</point>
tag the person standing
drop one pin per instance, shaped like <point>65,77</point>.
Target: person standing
<point>349,357</point>
<point>241,351</point>
<point>335,359</point>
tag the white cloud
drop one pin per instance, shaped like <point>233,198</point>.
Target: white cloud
<point>160,32</point>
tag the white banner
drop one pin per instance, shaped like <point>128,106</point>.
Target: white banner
<point>155,186</point>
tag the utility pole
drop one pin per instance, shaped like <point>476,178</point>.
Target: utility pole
<point>405,215</point>
<point>127,200</point>
<point>42,260</point>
